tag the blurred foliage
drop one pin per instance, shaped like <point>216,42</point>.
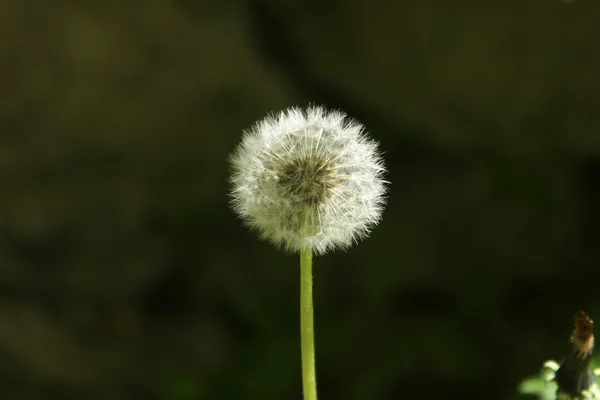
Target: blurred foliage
<point>124,274</point>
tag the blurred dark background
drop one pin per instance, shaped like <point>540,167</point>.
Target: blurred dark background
<point>124,274</point>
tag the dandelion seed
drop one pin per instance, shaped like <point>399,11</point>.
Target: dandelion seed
<point>308,179</point>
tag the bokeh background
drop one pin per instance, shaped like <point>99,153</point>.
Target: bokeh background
<point>124,274</point>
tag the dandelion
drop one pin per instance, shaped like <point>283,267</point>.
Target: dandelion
<point>309,181</point>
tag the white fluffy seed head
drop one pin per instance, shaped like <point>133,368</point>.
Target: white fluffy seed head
<point>308,179</point>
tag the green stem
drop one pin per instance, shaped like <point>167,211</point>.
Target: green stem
<point>307,338</point>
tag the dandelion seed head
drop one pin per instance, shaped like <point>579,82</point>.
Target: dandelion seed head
<point>308,179</point>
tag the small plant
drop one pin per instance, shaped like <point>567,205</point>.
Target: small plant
<point>309,181</point>
<point>573,379</point>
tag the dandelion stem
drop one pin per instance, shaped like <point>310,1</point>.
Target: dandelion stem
<point>307,338</point>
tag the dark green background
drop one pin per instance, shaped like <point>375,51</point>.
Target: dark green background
<point>124,275</point>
